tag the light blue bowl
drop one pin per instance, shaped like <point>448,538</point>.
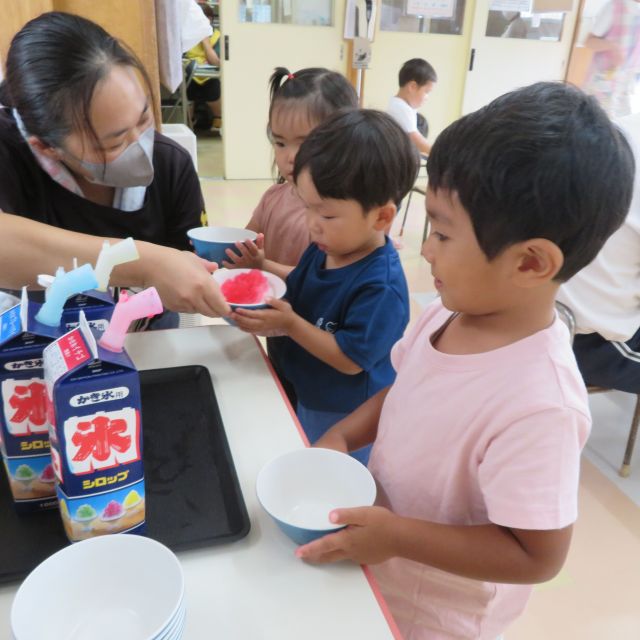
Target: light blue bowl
<point>298,490</point>
<point>212,243</point>
<point>277,288</point>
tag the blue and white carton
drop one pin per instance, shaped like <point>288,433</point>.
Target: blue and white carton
<point>97,307</point>
<point>95,435</point>
<point>24,418</point>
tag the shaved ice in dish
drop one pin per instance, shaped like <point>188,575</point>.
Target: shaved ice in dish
<point>24,472</point>
<point>85,512</point>
<point>246,288</point>
<point>133,498</point>
<point>47,474</point>
<point>112,511</point>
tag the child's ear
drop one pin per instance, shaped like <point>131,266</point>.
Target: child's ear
<point>385,216</point>
<point>537,261</point>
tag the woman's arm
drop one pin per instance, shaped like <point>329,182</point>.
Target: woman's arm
<point>183,280</point>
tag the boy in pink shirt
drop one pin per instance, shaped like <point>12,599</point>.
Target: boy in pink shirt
<point>477,443</point>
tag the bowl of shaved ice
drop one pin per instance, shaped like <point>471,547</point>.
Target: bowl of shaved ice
<point>85,515</point>
<point>47,476</point>
<point>248,288</point>
<point>25,474</point>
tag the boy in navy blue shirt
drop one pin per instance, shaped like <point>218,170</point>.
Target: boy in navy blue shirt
<point>347,300</point>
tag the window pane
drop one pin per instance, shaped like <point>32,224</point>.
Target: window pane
<point>306,12</point>
<point>422,16</point>
<point>521,24</point>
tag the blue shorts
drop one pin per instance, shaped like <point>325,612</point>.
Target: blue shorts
<point>317,423</point>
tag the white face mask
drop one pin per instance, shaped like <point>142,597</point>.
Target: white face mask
<point>132,168</point>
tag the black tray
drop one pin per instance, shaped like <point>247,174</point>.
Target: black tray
<point>193,498</point>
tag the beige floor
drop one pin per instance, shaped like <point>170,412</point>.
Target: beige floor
<point>597,594</point>
<point>210,155</point>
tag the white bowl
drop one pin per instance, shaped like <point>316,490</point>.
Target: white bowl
<point>115,586</point>
<point>277,288</point>
<point>298,490</point>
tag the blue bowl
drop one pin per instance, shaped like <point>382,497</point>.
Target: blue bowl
<point>212,243</point>
<point>298,490</point>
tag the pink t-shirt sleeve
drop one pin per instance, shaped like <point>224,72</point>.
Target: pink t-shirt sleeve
<point>529,473</point>
<point>258,218</point>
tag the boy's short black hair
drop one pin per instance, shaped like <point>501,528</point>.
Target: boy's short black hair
<point>360,155</point>
<point>418,70</point>
<point>544,161</point>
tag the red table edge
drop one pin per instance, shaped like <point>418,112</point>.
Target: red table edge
<point>373,583</point>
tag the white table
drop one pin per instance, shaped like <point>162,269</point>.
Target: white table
<point>254,588</point>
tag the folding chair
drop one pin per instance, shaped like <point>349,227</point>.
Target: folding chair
<point>421,191</point>
<point>175,102</point>
<point>566,315</point>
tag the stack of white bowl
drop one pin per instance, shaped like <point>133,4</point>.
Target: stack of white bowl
<point>117,586</point>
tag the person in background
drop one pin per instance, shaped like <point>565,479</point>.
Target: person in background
<point>182,279</point>
<point>78,147</point>
<point>605,297</point>
<point>614,68</point>
<point>299,102</point>
<point>207,90</point>
<point>477,444</point>
<point>347,299</point>
<point>416,81</point>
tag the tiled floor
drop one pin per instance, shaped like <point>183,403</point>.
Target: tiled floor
<point>597,594</point>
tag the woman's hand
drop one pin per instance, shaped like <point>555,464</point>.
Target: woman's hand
<point>183,280</point>
<point>250,255</point>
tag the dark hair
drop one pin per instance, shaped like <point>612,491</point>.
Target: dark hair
<point>544,161</point>
<point>418,70</point>
<point>320,91</point>
<point>53,66</point>
<point>207,10</point>
<point>360,155</point>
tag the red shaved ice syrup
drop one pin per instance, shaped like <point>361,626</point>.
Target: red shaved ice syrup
<point>246,288</point>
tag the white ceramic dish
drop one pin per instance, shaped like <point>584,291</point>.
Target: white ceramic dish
<point>298,490</point>
<point>114,586</point>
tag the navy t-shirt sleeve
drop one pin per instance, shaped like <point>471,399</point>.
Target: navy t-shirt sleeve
<point>374,322</point>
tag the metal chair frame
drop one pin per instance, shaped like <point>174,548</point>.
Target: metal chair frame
<point>566,315</point>
<point>178,99</point>
<point>423,192</point>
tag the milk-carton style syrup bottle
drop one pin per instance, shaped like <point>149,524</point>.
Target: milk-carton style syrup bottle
<point>96,433</point>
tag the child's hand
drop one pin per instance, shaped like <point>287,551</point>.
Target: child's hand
<point>279,318</point>
<point>368,538</point>
<point>250,256</point>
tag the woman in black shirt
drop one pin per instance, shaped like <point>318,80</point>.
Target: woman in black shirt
<point>78,148</point>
